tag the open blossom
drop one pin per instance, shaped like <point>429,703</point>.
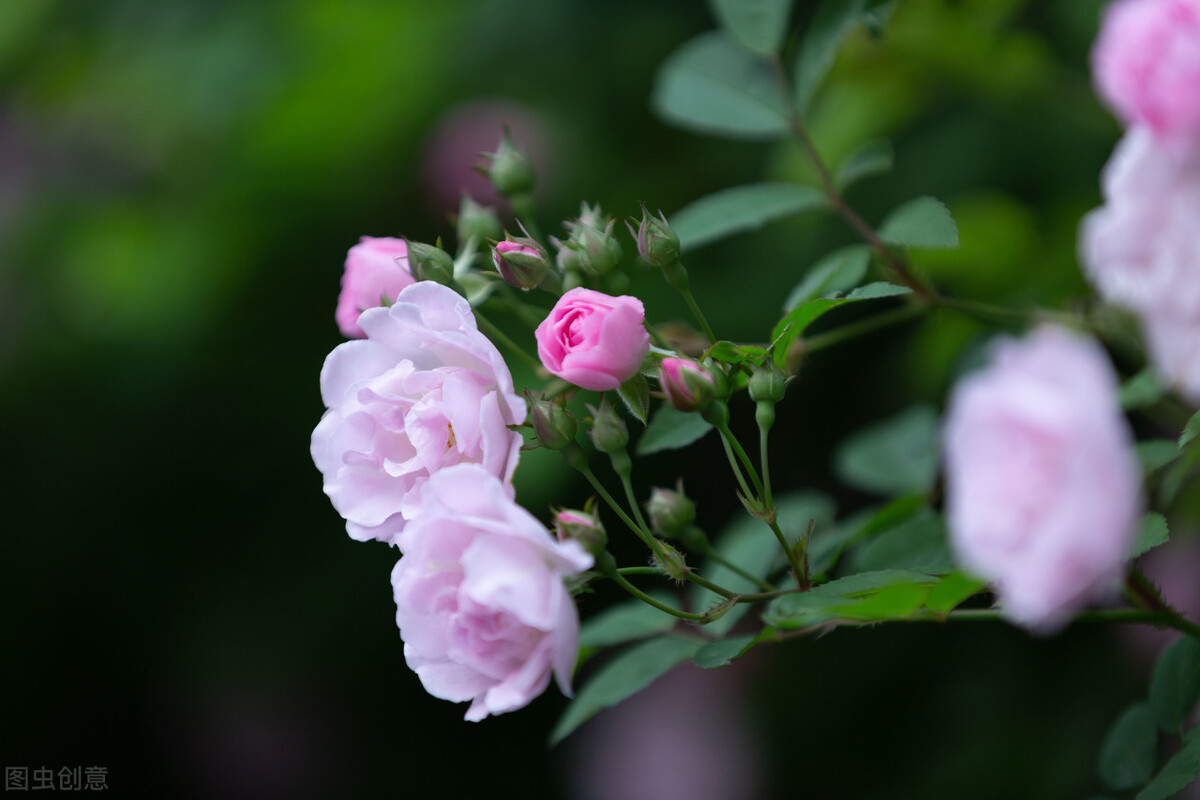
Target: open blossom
<point>424,391</point>
<point>1146,64</point>
<point>480,599</point>
<point>1141,249</point>
<point>376,270</point>
<point>1042,485</point>
<point>594,340</point>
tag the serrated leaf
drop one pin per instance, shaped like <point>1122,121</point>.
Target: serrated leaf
<point>1175,684</point>
<point>1190,431</point>
<point>922,222</point>
<point>819,46</point>
<point>627,674</point>
<point>741,208</point>
<point>625,622</point>
<point>951,591</point>
<point>896,456</point>
<point>888,594</point>
<point>711,84</point>
<point>759,25</point>
<point>794,323</point>
<point>1143,389</point>
<point>918,543</point>
<point>1130,749</point>
<point>722,653</point>
<point>1151,533</point>
<point>670,429</point>
<point>840,270</point>
<point>636,394</point>
<point>1178,772</point>
<point>871,159</point>
<point>1154,454</point>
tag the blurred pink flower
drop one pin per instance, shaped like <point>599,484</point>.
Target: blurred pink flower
<point>376,270</point>
<point>1043,491</point>
<point>593,340</point>
<point>480,599</point>
<point>1146,64</point>
<point>425,390</point>
<point>1141,249</point>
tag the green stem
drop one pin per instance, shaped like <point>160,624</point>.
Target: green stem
<point>526,212</point>
<point>620,580</point>
<point>711,554</point>
<point>500,338</point>
<point>765,461</point>
<point>698,314</point>
<point>737,470</point>
<point>728,594</point>
<point>727,434</point>
<point>658,338</point>
<point>639,570</point>
<point>623,466</point>
<point>577,461</point>
<point>1145,595</point>
<point>846,332</point>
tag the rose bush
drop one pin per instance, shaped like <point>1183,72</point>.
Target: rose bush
<point>480,599</point>
<point>376,271</point>
<point>425,390</point>
<point>594,340</point>
<point>1146,64</point>
<point>1042,485</point>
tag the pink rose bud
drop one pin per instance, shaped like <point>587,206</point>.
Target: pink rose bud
<point>687,385</point>
<point>581,526</point>
<point>424,391</point>
<point>376,270</point>
<point>1146,64</point>
<point>594,340</point>
<point>481,601</point>
<point>1043,490</point>
<point>521,262</point>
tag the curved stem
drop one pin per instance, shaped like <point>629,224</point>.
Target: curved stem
<point>500,338</point>
<point>697,313</point>
<point>727,434</point>
<point>620,580</point>
<point>711,554</point>
<point>737,470</point>
<point>846,332</point>
<point>728,594</point>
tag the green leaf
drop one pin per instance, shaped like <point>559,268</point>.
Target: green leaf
<point>818,48</point>
<point>923,222</point>
<point>1190,431</point>
<point>896,456</point>
<point>1151,533</point>
<point>749,543</point>
<point>711,84</point>
<point>740,209</point>
<point>873,158</point>
<point>1154,454</point>
<point>917,543</point>
<point>1143,389</point>
<point>722,653</point>
<point>627,674</point>
<point>625,622</point>
<point>1175,684</point>
<point>1130,749</point>
<point>670,429</point>
<point>828,542</point>
<point>1178,772</point>
<point>788,329</point>
<point>759,25</point>
<point>840,270</point>
<point>636,394</point>
<point>951,591</point>
<point>867,596</point>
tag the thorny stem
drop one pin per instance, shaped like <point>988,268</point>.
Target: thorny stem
<point>1145,595</point>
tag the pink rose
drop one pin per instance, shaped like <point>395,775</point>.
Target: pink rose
<point>376,271</point>
<point>480,599</point>
<point>1146,64</point>
<point>594,340</point>
<point>1141,249</point>
<point>1042,485</point>
<point>425,390</point>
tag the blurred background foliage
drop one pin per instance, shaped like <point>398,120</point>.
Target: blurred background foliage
<point>179,182</point>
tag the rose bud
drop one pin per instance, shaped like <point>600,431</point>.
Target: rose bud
<point>477,221</point>
<point>554,426</point>
<point>430,262</point>
<point>671,562</point>
<point>581,526</point>
<point>671,512</point>
<point>687,385</point>
<point>510,171</point>
<point>609,433</point>
<point>658,244</point>
<point>521,262</point>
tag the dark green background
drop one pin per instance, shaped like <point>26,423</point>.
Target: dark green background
<point>179,182</point>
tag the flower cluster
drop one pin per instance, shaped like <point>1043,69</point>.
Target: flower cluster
<point>416,449</point>
<point>1140,248</point>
